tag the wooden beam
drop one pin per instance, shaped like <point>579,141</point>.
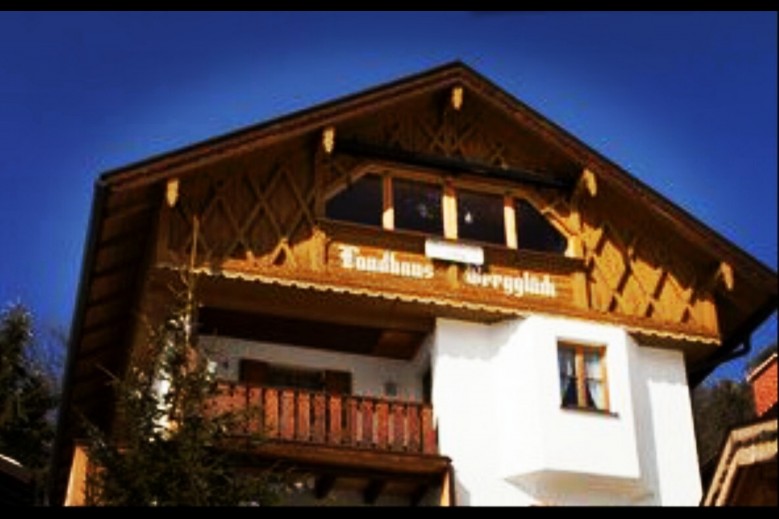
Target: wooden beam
<point>725,273</point>
<point>449,204</point>
<point>118,251</point>
<point>328,139</point>
<point>587,183</point>
<point>454,165</point>
<point>722,274</point>
<point>510,222</point>
<point>172,192</point>
<point>358,462</point>
<point>109,283</point>
<point>77,480</point>
<point>457,97</point>
<point>117,265</point>
<point>128,229</point>
<point>111,309</point>
<point>388,213</point>
<point>373,490</point>
<point>447,488</point>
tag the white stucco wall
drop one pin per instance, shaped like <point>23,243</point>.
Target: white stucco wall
<point>665,427</point>
<point>369,374</point>
<point>496,398</point>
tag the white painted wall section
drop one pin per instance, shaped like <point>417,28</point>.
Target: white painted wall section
<point>496,398</point>
<point>664,417</point>
<point>369,374</point>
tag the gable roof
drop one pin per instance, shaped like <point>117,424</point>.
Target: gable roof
<point>173,163</point>
<point>748,269</point>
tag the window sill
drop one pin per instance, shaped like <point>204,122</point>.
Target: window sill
<point>589,410</point>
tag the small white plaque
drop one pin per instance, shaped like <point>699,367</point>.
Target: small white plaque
<point>457,252</point>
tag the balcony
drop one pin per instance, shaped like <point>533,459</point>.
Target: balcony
<point>384,447</point>
<point>318,418</point>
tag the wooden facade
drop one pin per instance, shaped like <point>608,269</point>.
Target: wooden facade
<point>247,212</point>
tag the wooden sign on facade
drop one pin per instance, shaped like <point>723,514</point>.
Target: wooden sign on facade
<point>417,273</point>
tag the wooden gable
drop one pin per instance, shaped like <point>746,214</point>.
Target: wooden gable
<point>260,210</point>
<point>257,197</point>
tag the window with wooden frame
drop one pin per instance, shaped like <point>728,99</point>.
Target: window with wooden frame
<point>358,202</point>
<point>480,217</point>
<point>440,206</point>
<point>535,232</point>
<point>418,206</point>
<point>583,382</point>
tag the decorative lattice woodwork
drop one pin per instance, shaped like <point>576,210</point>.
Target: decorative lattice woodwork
<point>253,211</point>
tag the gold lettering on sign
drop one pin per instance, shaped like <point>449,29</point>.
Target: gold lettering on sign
<point>352,259</point>
<point>517,286</point>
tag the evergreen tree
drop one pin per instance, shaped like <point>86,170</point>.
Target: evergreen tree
<point>170,447</point>
<point>716,408</point>
<point>27,396</point>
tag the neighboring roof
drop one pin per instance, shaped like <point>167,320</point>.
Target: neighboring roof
<point>15,469</point>
<point>757,370</point>
<point>746,471</point>
<point>16,484</point>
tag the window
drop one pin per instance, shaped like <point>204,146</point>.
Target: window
<point>535,232</point>
<point>582,376</point>
<point>480,217</point>
<point>359,202</point>
<point>417,206</point>
<point>430,204</point>
<point>258,373</point>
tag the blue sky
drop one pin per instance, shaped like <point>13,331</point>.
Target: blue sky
<point>687,102</point>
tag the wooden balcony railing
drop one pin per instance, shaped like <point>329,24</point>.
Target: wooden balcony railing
<point>333,420</point>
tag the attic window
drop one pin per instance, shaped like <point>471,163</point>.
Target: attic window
<point>358,202</point>
<point>480,217</point>
<point>417,206</point>
<point>426,204</point>
<point>535,232</point>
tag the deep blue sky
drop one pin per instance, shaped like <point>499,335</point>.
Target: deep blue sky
<point>687,102</point>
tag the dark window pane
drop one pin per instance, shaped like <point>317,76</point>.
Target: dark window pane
<point>569,392</point>
<point>480,217</point>
<point>417,206</point>
<point>566,361</point>
<point>283,377</point>
<point>360,202</point>
<point>534,232</point>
